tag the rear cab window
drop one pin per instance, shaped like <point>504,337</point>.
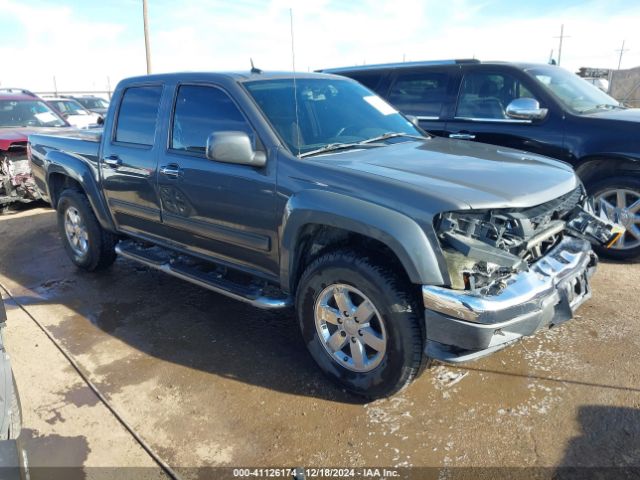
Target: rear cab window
<point>138,115</point>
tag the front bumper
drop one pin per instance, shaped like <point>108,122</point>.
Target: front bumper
<point>463,325</point>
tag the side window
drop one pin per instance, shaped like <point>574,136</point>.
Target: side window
<point>487,95</point>
<point>199,111</point>
<point>138,115</point>
<point>420,94</point>
<point>369,80</point>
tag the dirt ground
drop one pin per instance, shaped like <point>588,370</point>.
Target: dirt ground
<point>209,381</point>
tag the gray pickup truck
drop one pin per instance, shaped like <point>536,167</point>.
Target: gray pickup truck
<point>309,191</point>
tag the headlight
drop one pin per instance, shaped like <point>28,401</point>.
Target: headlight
<point>476,248</point>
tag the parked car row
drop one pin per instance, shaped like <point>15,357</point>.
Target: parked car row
<point>21,113</point>
<point>536,108</point>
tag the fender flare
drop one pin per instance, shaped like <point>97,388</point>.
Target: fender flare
<point>76,168</point>
<point>410,243</point>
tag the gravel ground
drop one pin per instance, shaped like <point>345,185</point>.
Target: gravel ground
<point>208,381</point>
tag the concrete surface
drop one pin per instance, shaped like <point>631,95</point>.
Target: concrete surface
<point>210,381</point>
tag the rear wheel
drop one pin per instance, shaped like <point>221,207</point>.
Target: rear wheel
<point>88,245</point>
<point>361,323</point>
<point>620,200</point>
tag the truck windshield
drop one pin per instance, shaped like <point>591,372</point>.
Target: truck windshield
<point>572,91</point>
<point>28,113</point>
<point>330,112</point>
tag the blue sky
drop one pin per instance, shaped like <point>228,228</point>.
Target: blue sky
<point>82,42</point>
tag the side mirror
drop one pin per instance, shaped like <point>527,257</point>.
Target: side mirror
<point>234,147</point>
<point>526,109</point>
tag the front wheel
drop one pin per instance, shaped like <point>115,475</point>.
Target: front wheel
<point>361,323</point>
<point>88,245</point>
<point>619,197</point>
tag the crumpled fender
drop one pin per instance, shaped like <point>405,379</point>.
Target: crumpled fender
<point>398,232</point>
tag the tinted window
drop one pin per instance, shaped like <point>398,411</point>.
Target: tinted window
<point>329,111</point>
<point>486,95</point>
<point>369,80</point>
<point>138,115</point>
<point>420,94</point>
<point>200,111</point>
<point>28,113</point>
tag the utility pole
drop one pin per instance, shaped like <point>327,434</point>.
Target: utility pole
<point>621,50</point>
<point>147,46</point>
<point>561,37</point>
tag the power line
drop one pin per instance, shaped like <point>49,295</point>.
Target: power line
<point>621,50</point>
<point>561,37</point>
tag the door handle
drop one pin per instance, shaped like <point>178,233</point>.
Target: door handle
<point>113,161</point>
<point>172,170</point>
<point>462,136</point>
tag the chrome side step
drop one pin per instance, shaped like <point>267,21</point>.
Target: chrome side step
<point>179,266</point>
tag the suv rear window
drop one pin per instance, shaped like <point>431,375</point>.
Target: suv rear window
<point>138,115</point>
<point>420,94</point>
<point>369,80</point>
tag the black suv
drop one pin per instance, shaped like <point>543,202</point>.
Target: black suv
<point>538,108</point>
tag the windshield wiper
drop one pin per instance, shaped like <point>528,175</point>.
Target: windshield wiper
<point>368,143</point>
<point>603,106</point>
<point>388,135</point>
<point>336,146</point>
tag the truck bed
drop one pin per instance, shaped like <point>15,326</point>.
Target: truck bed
<point>82,142</point>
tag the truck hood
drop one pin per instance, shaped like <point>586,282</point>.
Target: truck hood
<point>11,135</point>
<point>628,115</point>
<point>470,174</point>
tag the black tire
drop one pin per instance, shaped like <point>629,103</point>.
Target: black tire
<point>101,243</point>
<point>598,187</point>
<point>398,306</point>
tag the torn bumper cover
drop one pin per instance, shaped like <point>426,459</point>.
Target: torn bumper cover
<point>464,325</point>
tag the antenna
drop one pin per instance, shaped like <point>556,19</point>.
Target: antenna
<point>253,68</point>
<point>295,89</point>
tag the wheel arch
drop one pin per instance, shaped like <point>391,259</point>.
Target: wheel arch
<point>595,167</point>
<point>67,171</point>
<point>316,221</point>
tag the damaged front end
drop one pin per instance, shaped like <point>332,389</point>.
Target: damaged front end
<point>512,271</point>
<point>16,180</point>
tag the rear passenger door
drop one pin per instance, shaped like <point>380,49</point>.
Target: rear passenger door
<point>219,210</point>
<point>128,162</point>
<point>423,93</point>
<point>480,112</point>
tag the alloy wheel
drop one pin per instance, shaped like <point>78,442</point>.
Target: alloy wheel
<point>76,230</point>
<point>350,328</point>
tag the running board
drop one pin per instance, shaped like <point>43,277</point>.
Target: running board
<point>187,268</point>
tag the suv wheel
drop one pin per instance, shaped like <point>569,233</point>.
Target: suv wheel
<point>620,198</point>
<point>361,323</point>
<point>88,245</point>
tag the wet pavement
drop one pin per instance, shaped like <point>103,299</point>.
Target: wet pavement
<point>210,381</point>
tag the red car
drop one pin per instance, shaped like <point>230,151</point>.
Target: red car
<point>21,113</point>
